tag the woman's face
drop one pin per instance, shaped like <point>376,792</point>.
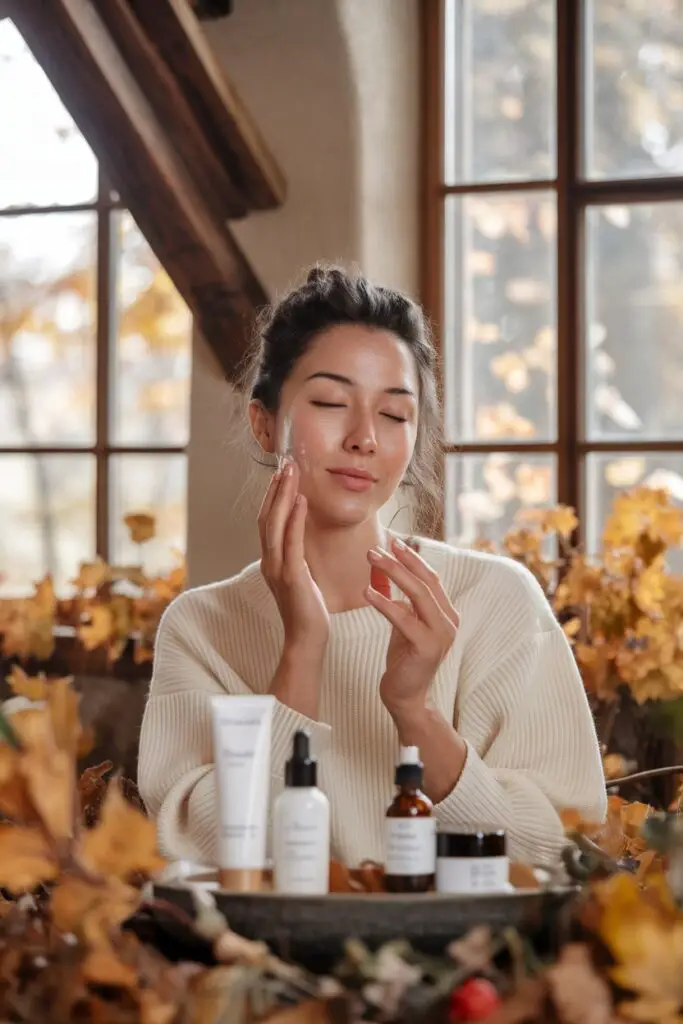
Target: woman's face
<point>348,416</point>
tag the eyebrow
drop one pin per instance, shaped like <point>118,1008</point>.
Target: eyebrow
<point>340,379</point>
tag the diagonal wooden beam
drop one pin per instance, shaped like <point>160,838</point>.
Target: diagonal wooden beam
<point>70,40</point>
<point>218,107</point>
<point>213,177</point>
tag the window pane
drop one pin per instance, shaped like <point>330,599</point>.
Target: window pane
<point>44,159</point>
<point>634,332</point>
<point>609,474</point>
<point>149,483</point>
<point>47,519</point>
<point>47,329</point>
<point>499,336</point>
<point>485,492</point>
<point>151,382</point>
<point>635,88</point>
<point>500,90</point>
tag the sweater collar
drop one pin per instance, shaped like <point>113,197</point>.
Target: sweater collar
<point>347,625</point>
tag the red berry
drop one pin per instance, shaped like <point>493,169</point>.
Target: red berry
<point>475,999</point>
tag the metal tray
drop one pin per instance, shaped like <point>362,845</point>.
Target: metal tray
<point>312,929</point>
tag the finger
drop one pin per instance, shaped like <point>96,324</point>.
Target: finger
<point>423,600</point>
<point>409,557</point>
<point>398,614</point>
<point>278,517</point>
<point>293,555</point>
<point>267,503</point>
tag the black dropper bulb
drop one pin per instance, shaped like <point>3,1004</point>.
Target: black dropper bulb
<point>301,770</point>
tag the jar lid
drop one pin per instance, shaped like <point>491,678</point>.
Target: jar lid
<point>471,844</point>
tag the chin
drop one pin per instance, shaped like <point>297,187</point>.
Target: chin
<point>343,513</point>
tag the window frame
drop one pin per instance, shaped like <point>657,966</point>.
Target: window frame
<point>575,194</point>
<point>106,206</point>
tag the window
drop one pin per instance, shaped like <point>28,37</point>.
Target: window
<point>555,252</point>
<point>95,349</point>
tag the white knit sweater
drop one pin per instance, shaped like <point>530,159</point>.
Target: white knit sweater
<point>509,685</point>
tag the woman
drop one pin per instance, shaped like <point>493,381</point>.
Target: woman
<point>471,666</point>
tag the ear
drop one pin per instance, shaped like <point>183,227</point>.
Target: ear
<point>262,426</point>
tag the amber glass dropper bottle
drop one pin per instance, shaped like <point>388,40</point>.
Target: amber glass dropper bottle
<point>410,830</point>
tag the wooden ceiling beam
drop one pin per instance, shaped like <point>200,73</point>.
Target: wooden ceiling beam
<point>73,45</point>
<point>172,109</point>
<point>178,36</point>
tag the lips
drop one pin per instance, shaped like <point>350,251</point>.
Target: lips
<point>356,480</point>
<point>359,474</point>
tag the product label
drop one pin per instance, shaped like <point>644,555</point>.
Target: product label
<point>410,846</point>
<point>302,856</point>
<point>472,874</point>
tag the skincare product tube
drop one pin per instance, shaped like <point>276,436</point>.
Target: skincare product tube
<point>242,729</point>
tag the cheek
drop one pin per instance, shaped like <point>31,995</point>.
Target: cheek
<point>311,436</point>
<point>398,445</point>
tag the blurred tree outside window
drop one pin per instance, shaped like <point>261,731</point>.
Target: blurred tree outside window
<point>95,351</point>
<point>559,254</point>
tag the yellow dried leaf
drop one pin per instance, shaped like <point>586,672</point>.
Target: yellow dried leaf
<point>45,599</point>
<point>571,628</point>
<point>92,909</point>
<point>141,526</point>
<point>15,802</point>
<point>98,631</point>
<point>648,591</point>
<point>63,704</point>
<point>23,685</point>
<point>123,842</point>
<point>92,575</point>
<point>643,929</point>
<point>103,967</point>
<point>26,859</point>
<point>614,766</point>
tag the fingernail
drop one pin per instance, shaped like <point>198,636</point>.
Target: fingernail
<point>374,556</point>
<point>398,543</point>
<point>289,469</point>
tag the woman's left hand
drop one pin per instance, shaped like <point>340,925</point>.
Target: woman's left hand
<point>423,629</point>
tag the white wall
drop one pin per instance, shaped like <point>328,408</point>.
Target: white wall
<point>334,86</point>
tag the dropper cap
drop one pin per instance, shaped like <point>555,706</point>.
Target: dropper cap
<point>301,770</point>
<point>409,770</point>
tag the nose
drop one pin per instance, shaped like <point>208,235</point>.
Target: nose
<point>362,439</point>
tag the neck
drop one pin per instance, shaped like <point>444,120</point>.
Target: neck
<point>338,560</point>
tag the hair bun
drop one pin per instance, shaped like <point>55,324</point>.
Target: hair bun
<point>316,275</point>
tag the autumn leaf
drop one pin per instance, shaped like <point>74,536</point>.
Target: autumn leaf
<point>91,575</point>
<point>643,929</point>
<point>571,628</point>
<point>92,788</point>
<point>63,704</point>
<point>26,858</point>
<point>94,911</point>
<point>579,993</point>
<point>615,765</point>
<point>32,687</point>
<point>45,599</point>
<point>141,526</point>
<point>124,841</point>
<point>98,630</point>
<point>15,801</point>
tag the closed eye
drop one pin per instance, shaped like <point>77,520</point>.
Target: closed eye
<point>396,419</point>
<point>329,405</point>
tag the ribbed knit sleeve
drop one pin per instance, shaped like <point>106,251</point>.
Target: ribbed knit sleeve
<point>176,772</point>
<point>531,749</point>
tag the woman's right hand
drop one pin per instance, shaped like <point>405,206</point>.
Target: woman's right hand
<point>282,523</point>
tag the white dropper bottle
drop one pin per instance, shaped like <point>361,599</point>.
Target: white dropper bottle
<point>301,827</point>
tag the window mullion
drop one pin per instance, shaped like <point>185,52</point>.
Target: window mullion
<point>106,312</point>
<point>569,247</point>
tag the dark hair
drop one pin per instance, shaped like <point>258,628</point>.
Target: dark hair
<point>332,296</point>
